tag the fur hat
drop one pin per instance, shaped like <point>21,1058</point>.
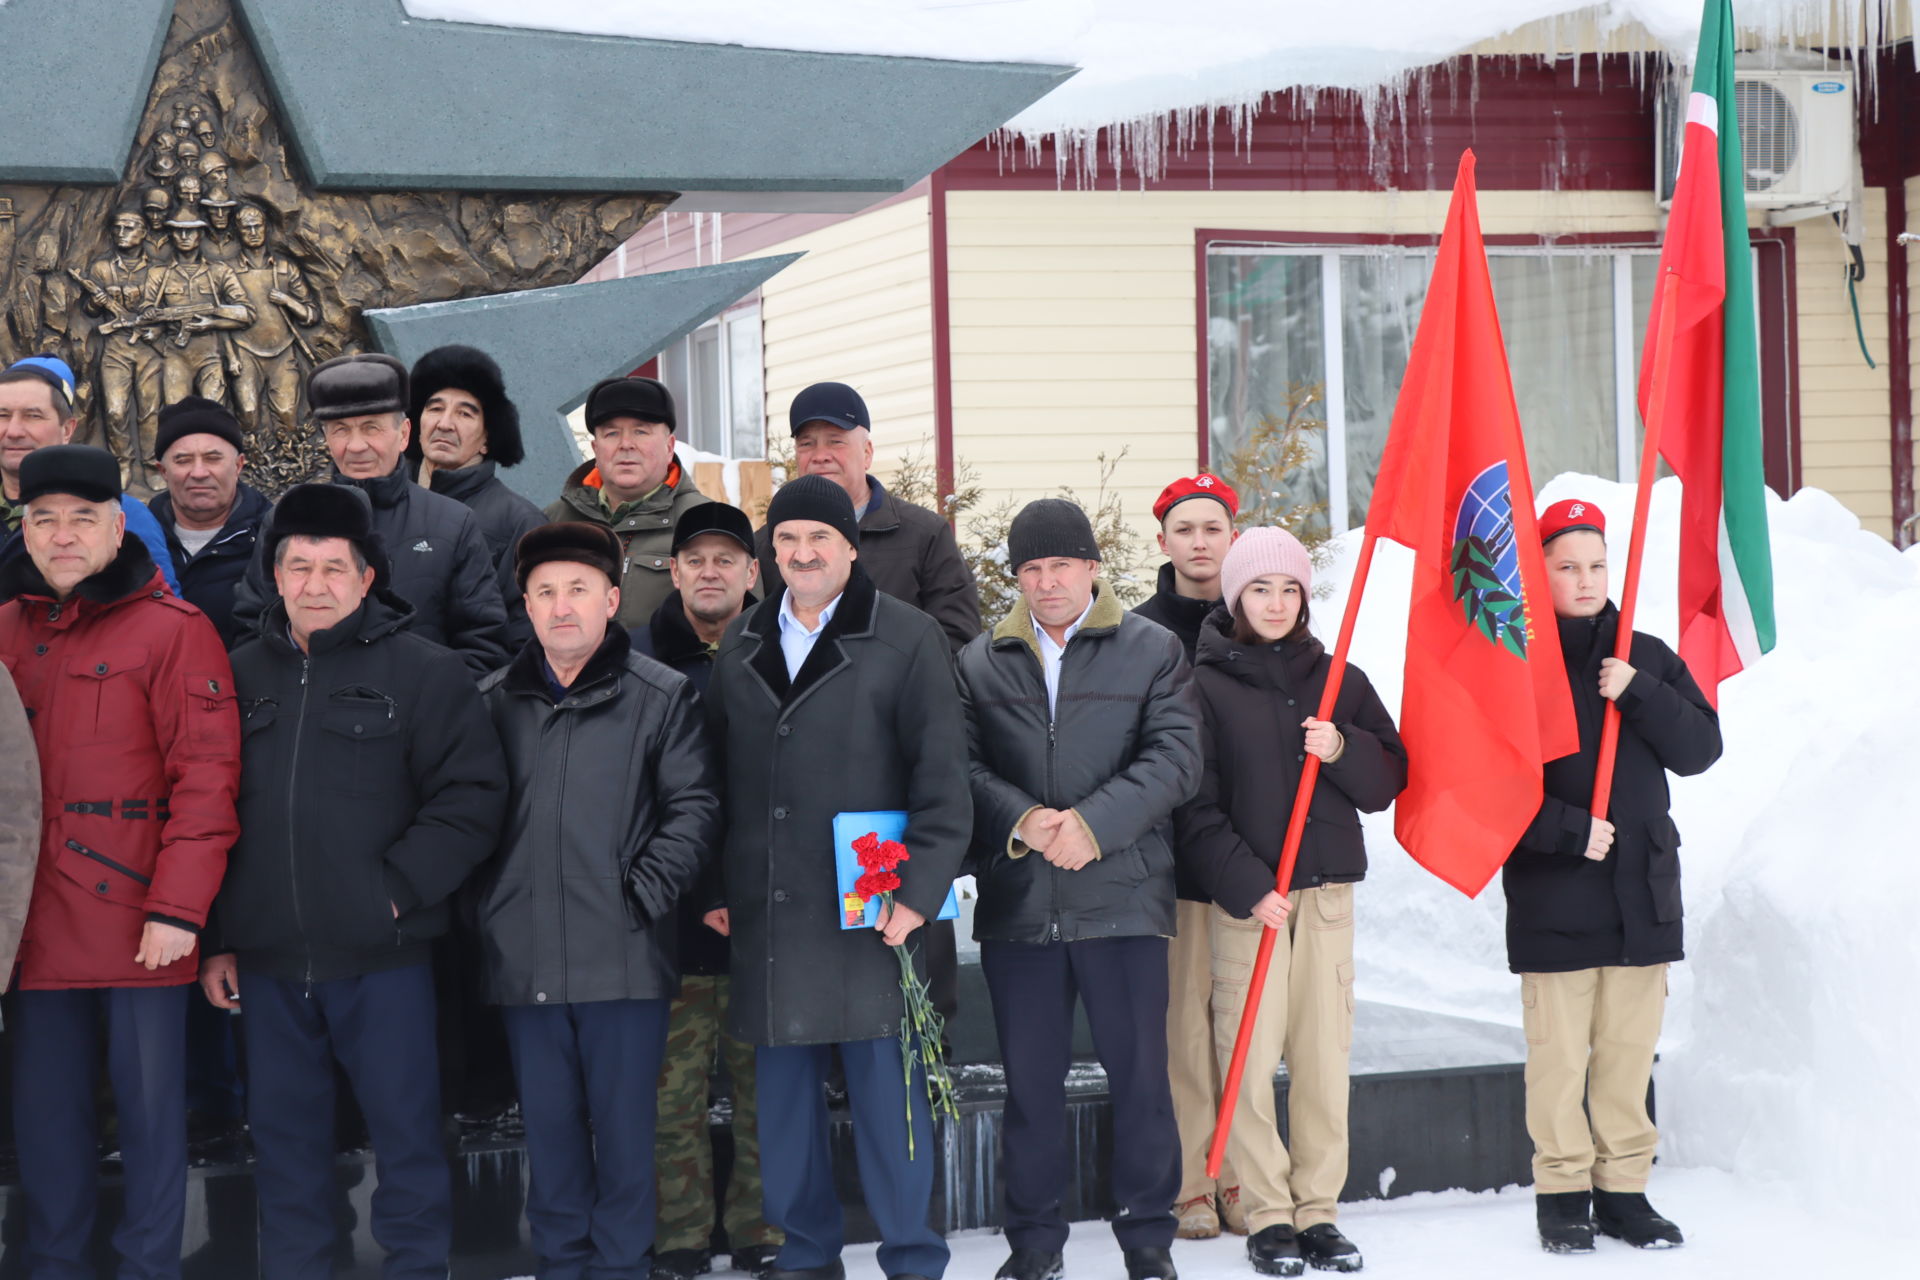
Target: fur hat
<point>85,472</point>
<point>473,371</point>
<point>355,386</point>
<point>573,541</point>
<point>326,511</point>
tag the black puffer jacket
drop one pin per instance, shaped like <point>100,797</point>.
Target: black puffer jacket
<point>1179,614</point>
<point>1252,699</point>
<point>371,779</point>
<point>1122,748</point>
<point>503,515</point>
<point>440,566</point>
<point>209,580</point>
<point>614,808</point>
<point>911,555</point>
<point>1566,911</point>
<point>870,722</point>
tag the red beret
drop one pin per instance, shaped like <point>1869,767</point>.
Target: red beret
<point>1202,486</point>
<point>1574,513</point>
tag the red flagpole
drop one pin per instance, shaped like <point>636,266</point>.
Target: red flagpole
<point>1289,854</point>
<point>1637,541</point>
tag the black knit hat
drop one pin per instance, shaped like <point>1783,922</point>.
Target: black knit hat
<point>712,517</point>
<point>325,511</point>
<point>78,469</point>
<point>1048,527</point>
<point>196,416</point>
<point>473,371</point>
<point>573,541</point>
<point>814,498</point>
<point>357,385</point>
<point>645,398</point>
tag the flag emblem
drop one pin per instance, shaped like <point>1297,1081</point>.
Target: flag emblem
<point>1486,566</point>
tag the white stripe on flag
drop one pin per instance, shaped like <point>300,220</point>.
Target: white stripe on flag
<point>1702,109</point>
<point>1736,611</point>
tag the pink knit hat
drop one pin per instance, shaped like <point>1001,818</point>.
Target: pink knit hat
<point>1258,552</point>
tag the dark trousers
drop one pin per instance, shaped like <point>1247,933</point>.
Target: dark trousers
<point>55,1038</point>
<point>796,1155</point>
<point>213,1076</point>
<point>380,1027</point>
<point>1122,982</point>
<point>587,1074</point>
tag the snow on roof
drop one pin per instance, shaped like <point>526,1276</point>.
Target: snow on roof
<point>1145,58</point>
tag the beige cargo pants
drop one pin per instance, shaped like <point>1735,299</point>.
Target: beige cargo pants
<point>1590,1037</point>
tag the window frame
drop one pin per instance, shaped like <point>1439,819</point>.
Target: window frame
<point>680,354</point>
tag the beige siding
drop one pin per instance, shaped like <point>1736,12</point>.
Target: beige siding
<point>858,308</point>
<point>1843,403</point>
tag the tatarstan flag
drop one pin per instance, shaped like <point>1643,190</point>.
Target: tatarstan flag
<point>1700,379</point>
<point>1486,702</point>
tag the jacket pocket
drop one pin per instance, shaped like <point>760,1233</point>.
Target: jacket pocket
<point>210,711</point>
<point>104,694</point>
<point>365,756</point>
<point>1663,869</point>
<point>102,876</point>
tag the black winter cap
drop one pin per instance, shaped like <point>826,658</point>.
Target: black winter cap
<point>1048,527</point>
<point>572,541</point>
<point>196,416</point>
<point>325,511</point>
<point>645,398</point>
<point>712,517</point>
<point>833,402</point>
<point>473,371</point>
<point>814,498</point>
<point>357,385</point>
<point>77,469</point>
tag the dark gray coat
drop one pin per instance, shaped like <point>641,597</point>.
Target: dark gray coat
<point>503,516</point>
<point>613,810</point>
<point>871,722</point>
<point>1122,749</point>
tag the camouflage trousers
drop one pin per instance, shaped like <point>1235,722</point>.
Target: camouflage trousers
<point>683,1148</point>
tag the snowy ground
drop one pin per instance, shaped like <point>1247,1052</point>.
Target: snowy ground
<point>1733,1229</point>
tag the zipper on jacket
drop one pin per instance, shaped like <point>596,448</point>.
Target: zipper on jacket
<point>293,775</point>
<point>105,861</point>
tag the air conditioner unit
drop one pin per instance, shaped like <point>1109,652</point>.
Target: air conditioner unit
<point>1797,136</point>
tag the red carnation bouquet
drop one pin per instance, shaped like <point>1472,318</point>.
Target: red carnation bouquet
<point>921,1026</point>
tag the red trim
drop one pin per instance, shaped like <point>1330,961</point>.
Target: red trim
<point>1779,323</point>
<point>1899,364</point>
<point>942,331</point>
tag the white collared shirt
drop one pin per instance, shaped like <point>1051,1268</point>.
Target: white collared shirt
<point>1051,653</point>
<point>796,642</point>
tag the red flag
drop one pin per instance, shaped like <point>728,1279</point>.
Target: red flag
<point>1486,700</point>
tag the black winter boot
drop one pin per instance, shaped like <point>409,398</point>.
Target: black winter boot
<point>1626,1215</point>
<point>1566,1225</point>
<point>1149,1264</point>
<point>1275,1251</point>
<point>682,1264</point>
<point>1031,1264</point>
<point>1325,1249</point>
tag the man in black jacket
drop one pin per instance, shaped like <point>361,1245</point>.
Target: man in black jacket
<point>831,698</point>
<point>439,562</point>
<point>613,810</point>
<point>1593,907</point>
<point>372,784</point>
<point>714,574</point>
<point>1084,735</point>
<point>210,516</point>
<point>1196,515</point>
<point>465,428</point>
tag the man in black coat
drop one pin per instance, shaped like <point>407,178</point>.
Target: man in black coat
<point>714,574</point>
<point>439,562</point>
<point>831,697</point>
<point>1084,734</point>
<point>1593,907</point>
<point>465,429</point>
<point>613,811</point>
<point>372,785</point>
<point>1195,536</point>
<point>210,516</point>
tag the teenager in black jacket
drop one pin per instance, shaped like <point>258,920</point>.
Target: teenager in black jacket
<point>1261,674</point>
<point>1593,907</point>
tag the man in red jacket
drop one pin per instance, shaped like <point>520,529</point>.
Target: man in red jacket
<point>131,702</point>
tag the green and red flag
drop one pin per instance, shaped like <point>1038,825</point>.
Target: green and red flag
<point>1701,339</point>
<point>1486,702</point>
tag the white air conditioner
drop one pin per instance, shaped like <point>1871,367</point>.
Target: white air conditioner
<point>1797,138</point>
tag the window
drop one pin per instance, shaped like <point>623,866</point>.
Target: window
<point>717,377</point>
<point>1282,319</point>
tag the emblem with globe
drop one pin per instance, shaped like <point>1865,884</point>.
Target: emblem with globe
<point>1485,564</point>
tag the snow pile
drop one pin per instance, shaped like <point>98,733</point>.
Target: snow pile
<point>1790,1036</point>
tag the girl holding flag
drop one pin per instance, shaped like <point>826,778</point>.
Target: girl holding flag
<point>1593,907</point>
<point>1260,674</point>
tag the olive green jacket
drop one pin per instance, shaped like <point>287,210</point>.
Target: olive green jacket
<point>645,528</point>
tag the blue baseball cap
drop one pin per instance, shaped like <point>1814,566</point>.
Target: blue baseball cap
<point>833,402</point>
<point>51,369</point>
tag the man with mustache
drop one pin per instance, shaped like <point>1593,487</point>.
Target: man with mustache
<point>210,516</point>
